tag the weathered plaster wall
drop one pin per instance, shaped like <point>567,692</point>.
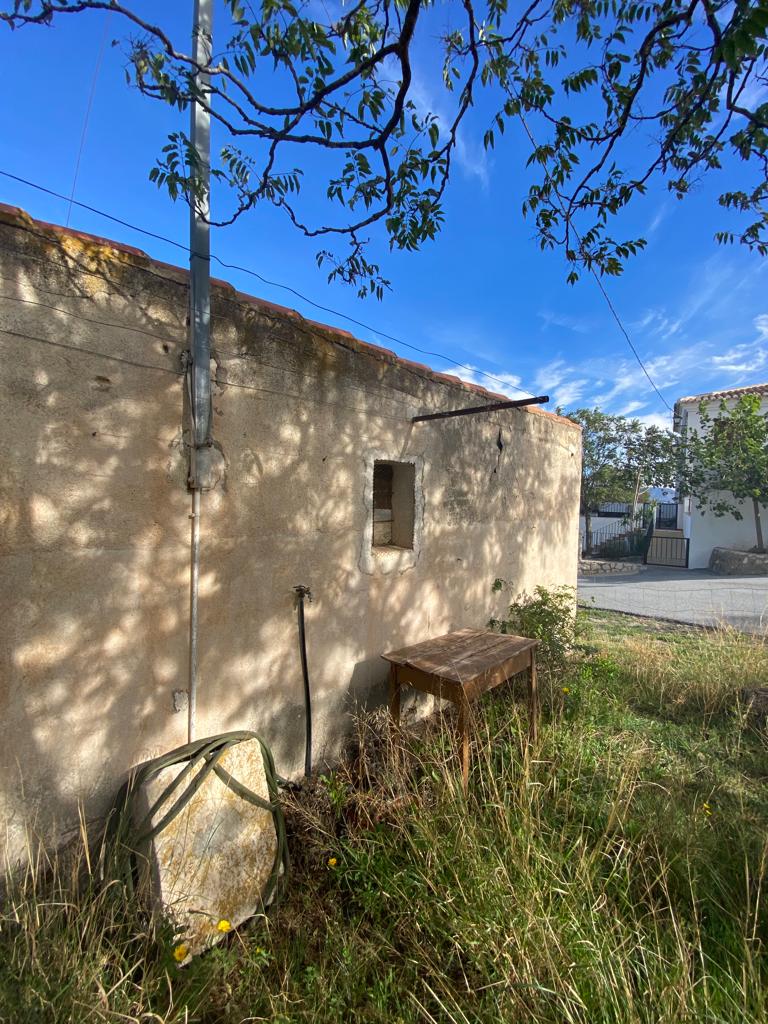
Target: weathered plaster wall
<point>94,519</point>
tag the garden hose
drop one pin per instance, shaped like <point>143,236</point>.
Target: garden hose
<point>303,593</point>
<point>126,836</point>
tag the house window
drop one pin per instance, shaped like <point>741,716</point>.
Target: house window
<point>393,504</point>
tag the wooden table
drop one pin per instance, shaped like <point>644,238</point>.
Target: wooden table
<point>459,667</point>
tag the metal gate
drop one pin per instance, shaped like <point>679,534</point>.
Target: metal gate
<point>670,549</point>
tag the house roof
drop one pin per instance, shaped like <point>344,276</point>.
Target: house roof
<point>751,389</point>
<point>123,253</point>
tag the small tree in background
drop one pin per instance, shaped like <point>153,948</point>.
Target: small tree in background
<point>620,457</point>
<point>726,461</point>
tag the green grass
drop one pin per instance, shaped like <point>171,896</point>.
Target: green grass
<point>615,873</point>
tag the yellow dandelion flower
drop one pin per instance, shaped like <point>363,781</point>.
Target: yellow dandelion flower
<point>224,926</point>
<point>332,862</point>
<point>181,952</point>
<point>566,689</point>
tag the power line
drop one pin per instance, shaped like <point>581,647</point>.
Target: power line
<point>165,339</point>
<point>623,330</point>
<point>594,273</point>
<point>87,117</point>
<point>123,361</point>
<point>267,281</point>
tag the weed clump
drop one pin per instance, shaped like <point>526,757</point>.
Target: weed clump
<point>549,616</point>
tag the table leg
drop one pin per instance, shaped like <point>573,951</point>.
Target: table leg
<point>533,700</point>
<point>394,694</point>
<point>464,744</point>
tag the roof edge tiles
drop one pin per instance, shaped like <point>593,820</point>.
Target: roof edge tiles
<point>750,389</point>
<point>123,253</point>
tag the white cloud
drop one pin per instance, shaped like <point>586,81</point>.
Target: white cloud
<point>624,380</point>
<point>662,420</point>
<point>754,93</point>
<point>572,323</point>
<point>658,217</point>
<point>561,382</point>
<point>746,358</point>
<point>615,385</point>
<point>700,343</point>
<point>741,359</point>
<point>631,407</point>
<point>620,386</point>
<point>551,374</point>
<point>657,323</point>
<point>471,156</point>
<point>502,382</point>
<point>568,393</point>
<point>716,282</point>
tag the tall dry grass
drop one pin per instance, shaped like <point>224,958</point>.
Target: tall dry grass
<point>614,873</point>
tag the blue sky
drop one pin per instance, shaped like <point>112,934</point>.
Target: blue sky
<point>483,293</point>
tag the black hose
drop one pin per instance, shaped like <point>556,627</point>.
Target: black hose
<point>302,592</point>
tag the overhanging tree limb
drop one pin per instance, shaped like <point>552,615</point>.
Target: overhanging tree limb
<point>691,74</point>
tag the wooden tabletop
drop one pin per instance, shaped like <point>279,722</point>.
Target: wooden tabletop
<point>462,655</point>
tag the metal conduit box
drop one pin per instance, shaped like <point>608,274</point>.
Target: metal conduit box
<point>208,868</point>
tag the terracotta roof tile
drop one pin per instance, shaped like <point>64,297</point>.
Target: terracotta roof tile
<point>750,389</point>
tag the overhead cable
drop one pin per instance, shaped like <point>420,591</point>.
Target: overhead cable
<point>596,276</point>
<point>267,281</point>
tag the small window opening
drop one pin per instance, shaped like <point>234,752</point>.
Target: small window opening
<point>393,504</point>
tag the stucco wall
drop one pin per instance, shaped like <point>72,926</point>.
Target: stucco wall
<point>708,531</point>
<point>94,520</point>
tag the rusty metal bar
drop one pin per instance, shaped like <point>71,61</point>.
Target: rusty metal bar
<point>516,404</point>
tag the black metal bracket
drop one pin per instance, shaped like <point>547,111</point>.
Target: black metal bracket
<point>473,410</point>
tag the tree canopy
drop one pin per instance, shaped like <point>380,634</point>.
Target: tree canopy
<point>578,76</point>
<point>621,457</point>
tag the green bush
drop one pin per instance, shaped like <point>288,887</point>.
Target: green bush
<point>614,549</point>
<point>627,546</point>
<point>548,616</point>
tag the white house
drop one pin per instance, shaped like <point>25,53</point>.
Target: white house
<point>707,531</point>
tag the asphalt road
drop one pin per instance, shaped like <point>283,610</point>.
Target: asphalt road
<point>684,595</point>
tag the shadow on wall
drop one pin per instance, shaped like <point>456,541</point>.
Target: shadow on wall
<point>95,522</point>
<point>94,532</point>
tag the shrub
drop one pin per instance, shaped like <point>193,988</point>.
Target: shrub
<point>548,616</point>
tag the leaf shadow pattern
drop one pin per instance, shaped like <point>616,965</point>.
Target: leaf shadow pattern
<point>95,527</point>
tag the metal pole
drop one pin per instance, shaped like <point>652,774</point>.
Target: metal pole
<point>194,588</point>
<point>199,320</point>
<point>475,409</point>
<point>200,231</point>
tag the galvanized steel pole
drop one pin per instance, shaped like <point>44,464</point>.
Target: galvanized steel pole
<point>200,230</point>
<point>194,590</point>
<point>199,319</point>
